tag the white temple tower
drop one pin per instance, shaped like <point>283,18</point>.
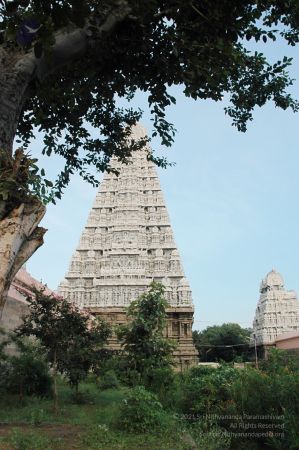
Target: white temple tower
<point>128,242</point>
<point>277,311</point>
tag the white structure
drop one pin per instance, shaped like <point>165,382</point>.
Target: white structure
<point>277,311</point>
<point>128,242</point>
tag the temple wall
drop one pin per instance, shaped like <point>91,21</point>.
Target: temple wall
<point>178,328</point>
<point>13,312</point>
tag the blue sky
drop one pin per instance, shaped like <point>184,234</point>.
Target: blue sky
<point>232,200</point>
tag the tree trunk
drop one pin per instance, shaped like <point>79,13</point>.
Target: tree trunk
<point>21,391</point>
<point>20,237</point>
<point>16,73</point>
<point>55,382</point>
<point>19,234</point>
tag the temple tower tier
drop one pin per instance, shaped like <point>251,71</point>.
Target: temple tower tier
<point>277,311</point>
<point>127,243</point>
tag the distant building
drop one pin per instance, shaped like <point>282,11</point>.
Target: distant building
<point>277,312</point>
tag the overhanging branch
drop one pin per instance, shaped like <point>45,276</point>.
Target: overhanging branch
<point>71,45</point>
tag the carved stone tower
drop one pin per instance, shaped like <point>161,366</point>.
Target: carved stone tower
<point>127,243</point>
<point>277,311</point>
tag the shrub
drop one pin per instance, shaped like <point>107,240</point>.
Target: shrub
<point>271,399</point>
<point>279,360</point>
<point>161,382</point>
<point>205,391</point>
<point>120,365</point>
<point>4,366</point>
<point>29,372</point>
<point>109,380</point>
<point>5,371</point>
<point>140,411</point>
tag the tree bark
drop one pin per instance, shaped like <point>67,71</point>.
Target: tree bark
<point>20,237</point>
<point>16,72</point>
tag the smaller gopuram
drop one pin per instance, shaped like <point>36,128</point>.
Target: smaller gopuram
<point>277,311</point>
<point>127,243</point>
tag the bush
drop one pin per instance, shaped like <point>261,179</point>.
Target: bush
<point>278,361</point>
<point>120,365</point>
<point>203,392</point>
<point>4,366</point>
<point>5,371</point>
<point>270,400</point>
<point>160,381</point>
<point>29,372</point>
<point>140,411</point>
<point>109,380</point>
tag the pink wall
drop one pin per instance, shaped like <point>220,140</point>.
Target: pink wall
<point>288,341</point>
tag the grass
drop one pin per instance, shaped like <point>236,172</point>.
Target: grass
<point>33,425</point>
<point>95,407</point>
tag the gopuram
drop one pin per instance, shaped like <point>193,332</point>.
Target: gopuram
<point>277,311</point>
<point>127,243</point>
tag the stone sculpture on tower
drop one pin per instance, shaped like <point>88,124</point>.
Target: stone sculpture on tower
<point>128,242</point>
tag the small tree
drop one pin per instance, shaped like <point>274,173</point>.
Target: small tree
<point>84,353</point>
<point>142,339</point>
<point>69,338</point>
<point>28,370</point>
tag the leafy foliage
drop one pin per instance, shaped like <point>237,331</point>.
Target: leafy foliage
<point>4,367</point>
<point>253,408</point>
<point>71,341</point>
<point>225,342</point>
<point>84,352</point>
<point>109,380</point>
<point>204,391</point>
<point>279,361</point>
<point>271,397</point>
<point>161,381</point>
<point>152,47</point>
<point>142,339</point>
<point>140,411</point>
<point>207,408</point>
<point>29,372</point>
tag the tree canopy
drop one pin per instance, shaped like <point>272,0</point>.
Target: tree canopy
<point>67,62</point>
<point>71,341</point>
<point>222,342</point>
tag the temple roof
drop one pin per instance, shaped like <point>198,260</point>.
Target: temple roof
<point>23,284</point>
<point>272,279</point>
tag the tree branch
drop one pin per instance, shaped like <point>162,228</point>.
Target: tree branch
<point>34,241</point>
<point>71,45</point>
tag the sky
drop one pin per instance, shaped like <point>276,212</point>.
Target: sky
<point>232,199</point>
